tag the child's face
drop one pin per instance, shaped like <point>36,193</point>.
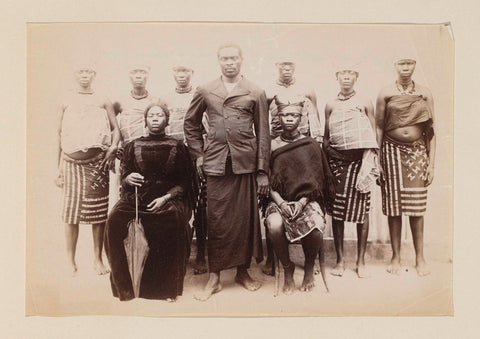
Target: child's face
<point>290,120</point>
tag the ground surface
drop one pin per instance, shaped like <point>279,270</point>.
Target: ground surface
<point>50,291</point>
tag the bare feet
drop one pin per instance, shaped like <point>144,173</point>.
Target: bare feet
<point>268,269</point>
<point>100,268</point>
<point>289,283</point>
<point>361,271</point>
<point>308,282</point>
<point>338,269</point>
<point>244,279</point>
<point>422,269</point>
<point>200,267</point>
<point>213,286</point>
<point>394,267</point>
<point>171,300</point>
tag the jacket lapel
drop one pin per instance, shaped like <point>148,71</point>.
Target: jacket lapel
<point>239,90</point>
<point>219,89</point>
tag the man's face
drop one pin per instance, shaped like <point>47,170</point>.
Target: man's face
<point>138,77</point>
<point>405,67</point>
<point>289,120</point>
<point>156,120</point>
<point>347,79</point>
<point>85,76</point>
<point>286,70</point>
<point>230,61</point>
<point>182,77</point>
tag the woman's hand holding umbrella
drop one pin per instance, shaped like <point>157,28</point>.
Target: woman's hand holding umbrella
<point>134,179</point>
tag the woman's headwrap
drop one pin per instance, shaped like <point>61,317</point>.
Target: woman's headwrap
<point>288,107</point>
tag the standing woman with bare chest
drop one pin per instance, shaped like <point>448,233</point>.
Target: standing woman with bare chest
<point>405,131</point>
<point>88,142</point>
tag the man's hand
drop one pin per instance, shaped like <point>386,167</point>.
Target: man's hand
<point>60,180</point>
<point>156,204</point>
<point>134,179</point>
<point>381,177</point>
<point>119,153</point>
<point>199,166</point>
<point>109,162</point>
<point>262,183</point>
<point>430,170</point>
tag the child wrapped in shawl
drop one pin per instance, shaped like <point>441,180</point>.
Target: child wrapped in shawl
<point>301,184</point>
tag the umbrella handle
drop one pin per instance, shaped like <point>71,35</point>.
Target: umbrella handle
<point>136,203</point>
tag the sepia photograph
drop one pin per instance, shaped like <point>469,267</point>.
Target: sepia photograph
<point>187,169</point>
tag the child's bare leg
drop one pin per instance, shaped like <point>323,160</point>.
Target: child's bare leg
<point>338,229</point>
<point>311,244</point>
<point>416,225</point>
<point>395,228</point>
<point>362,236</point>
<point>279,243</point>
<point>71,236</point>
<point>98,231</point>
<point>269,269</point>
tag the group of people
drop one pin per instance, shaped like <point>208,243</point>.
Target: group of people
<point>231,153</point>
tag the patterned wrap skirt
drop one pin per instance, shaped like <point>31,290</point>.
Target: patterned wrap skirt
<point>350,205</point>
<point>309,219</point>
<point>405,172</point>
<point>85,190</point>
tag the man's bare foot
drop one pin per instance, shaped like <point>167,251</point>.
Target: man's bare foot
<point>200,267</point>
<point>308,282</point>
<point>422,268</point>
<point>394,267</point>
<point>171,300</point>
<point>338,269</point>
<point>213,286</point>
<point>244,279</point>
<point>289,282</point>
<point>268,269</point>
<point>100,268</point>
<point>361,271</point>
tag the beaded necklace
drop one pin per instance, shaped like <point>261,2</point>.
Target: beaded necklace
<point>404,90</point>
<point>286,84</point>
<point>182,90</point>
<point>138,97</point>
<point>344,97</point>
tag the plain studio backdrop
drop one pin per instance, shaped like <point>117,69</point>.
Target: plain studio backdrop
<point>53,51</point>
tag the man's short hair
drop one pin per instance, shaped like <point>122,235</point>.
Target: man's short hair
<point>229,45</point>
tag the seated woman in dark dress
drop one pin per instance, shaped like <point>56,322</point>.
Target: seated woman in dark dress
<point>159,167</point>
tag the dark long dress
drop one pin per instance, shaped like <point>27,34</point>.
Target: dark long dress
<point>165,165</point>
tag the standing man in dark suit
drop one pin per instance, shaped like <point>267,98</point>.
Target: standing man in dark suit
<point>235,161</point>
